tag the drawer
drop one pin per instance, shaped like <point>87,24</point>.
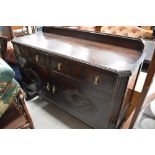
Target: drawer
<point>103,80</point>
<point>21,50</point>
<point>65,66</point>
<point>30,54</point>
<point>37,57</point>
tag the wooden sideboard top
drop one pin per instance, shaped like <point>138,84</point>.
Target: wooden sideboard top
<point>110,57</point>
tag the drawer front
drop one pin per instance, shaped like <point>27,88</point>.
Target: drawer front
<point>17,50</point>
<point>81,100</point>
<point>35,56</point>
<point>65,66</point>
<point>24,51</point>
<point>20,50</point>
<point>31,54</point>
<point>103,80</point>
<point>38,58</point>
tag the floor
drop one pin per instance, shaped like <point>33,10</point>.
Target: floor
<point>47,116</point>
<point>146,118</point>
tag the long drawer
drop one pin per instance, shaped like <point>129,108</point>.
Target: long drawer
<point>81,100</point>
<point>65,66</point>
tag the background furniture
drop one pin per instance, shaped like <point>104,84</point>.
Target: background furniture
<point>20,31</point>
<point>13,111</point>
<point>10,32</point>
<point>9,51</point>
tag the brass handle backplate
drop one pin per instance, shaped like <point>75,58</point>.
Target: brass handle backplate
<point>37,58</point>
<point>53,89</point>
<point>96,80</point>
<point>59,66</point>
<point>48,86</point>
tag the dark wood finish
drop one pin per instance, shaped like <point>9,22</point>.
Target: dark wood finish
<point>80,99</point>
<point>65,66</point>
<point>111,39</point>
<point>84,73</point>
<point>128,105</point>
<point>84,51</point>
<point>3,46</point>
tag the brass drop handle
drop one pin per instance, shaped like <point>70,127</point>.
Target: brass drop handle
<point>59,66</point>
<point>37,58</point>
<point>96,80</point>
<point>53,89</point>
<point>48,86</point>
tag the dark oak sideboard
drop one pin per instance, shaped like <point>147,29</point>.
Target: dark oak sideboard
<point>86,74</point>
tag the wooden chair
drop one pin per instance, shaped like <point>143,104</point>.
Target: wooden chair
<point>143,100</point>
<point>16,115</point>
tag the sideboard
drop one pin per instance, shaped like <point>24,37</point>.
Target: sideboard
<point>87,74</point>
